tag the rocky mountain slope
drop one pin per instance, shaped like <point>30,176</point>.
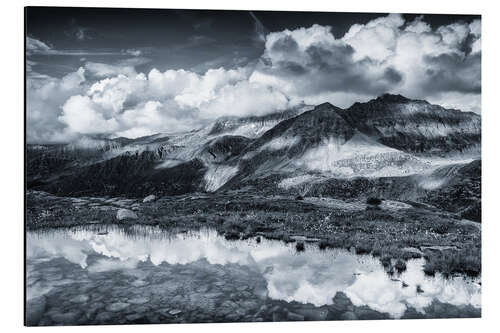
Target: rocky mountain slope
<point>391,146</point>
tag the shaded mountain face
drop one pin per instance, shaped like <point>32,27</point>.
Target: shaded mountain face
<point>388,136</point>
<point>388,143</point>
<point>415,126</point>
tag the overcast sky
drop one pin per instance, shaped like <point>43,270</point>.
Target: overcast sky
<point>130,72</point>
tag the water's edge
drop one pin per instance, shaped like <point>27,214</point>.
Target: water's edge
<point>85,276</point>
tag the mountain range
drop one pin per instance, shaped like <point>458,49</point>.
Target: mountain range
<point>391,147</point>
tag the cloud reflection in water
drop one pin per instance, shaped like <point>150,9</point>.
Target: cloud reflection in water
<point>313,276</point>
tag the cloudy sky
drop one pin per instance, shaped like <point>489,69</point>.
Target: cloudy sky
<point>137,72</point>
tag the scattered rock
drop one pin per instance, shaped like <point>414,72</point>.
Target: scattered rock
<point>412,250</point>
<point>66,318</point>
<point>316,314</point>
<point>341,299</point>
<point>35,309</point>
<point>138,300</point>
<point>139,283</point>
<point>103,316</point>
<point>174,312</point>
<point>304,239</point>
<point>292,316</point>
<point>134,316</point>
<point>349,315</point>
<point>365,313</point>
<point>80,299</point>
<point>149,198</point>
<point>438,248</point>
<point>277,316</point>
<point>124,214</point>
<point>118,306</point>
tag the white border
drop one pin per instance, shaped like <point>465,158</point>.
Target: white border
<point>11,209</point>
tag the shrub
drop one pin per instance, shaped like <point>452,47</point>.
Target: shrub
<point>363,248</point>
<point>386,261</point>
<point>419,289</point>
<point>231,235</point>
<point>441,228</point>
<point>400,266</point>
<point>373,201</point>
<point>300,246</point>
<point>449,263</point>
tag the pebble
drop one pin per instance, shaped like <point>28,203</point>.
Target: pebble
<point>174,312</point>
<point>138,300</point>
<point>80,299</point>
<point>118,306</point>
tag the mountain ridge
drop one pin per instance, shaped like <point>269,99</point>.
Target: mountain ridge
<point>389,136</point>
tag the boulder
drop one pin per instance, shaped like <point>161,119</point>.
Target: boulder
<point>149,198</point>
<point>125,214</point>
<point>292,316</point>
<point>349,315</point>
<point>316,314</point>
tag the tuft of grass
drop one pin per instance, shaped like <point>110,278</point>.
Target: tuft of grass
<point>419,289</point>
<point>385,261</point>
<point>400,266</point>
<point>231,235</point>
<point>373,201</point>
<point>300,247</point>
<point>451,262</point>
<point>323,244</point>
<point>441,227</point>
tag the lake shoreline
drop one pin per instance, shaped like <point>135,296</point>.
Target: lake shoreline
<point>116,274</point>
<point>394,232</point>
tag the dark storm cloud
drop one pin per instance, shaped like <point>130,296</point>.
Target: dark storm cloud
<point>285,44</point>
<point>323,67</point>
<point>451,72</point>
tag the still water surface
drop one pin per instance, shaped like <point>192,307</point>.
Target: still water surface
<point>145,275</point>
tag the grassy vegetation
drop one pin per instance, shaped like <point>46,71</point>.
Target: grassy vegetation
<point>238,215</point>
<point>450,263</point>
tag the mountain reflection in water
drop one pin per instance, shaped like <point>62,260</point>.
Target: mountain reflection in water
<point>313,276</point>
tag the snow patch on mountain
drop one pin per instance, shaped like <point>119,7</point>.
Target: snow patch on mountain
<point>217,175</point>
<point>280,143</point>
<point>292,182</point>
<point>432,183</point>
<point>252,130</point>
<point>360,156</point>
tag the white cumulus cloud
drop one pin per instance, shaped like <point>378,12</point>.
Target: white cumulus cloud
<point>308,64</point>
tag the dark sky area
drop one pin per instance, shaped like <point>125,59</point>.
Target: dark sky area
<point>172,38</point>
